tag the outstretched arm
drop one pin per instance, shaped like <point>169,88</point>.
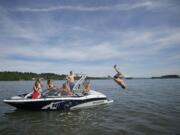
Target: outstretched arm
<point>117,70</point>
<point>115,67</point>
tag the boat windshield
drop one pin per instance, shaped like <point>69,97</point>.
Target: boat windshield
<point>77,89</point>
<point>52,93</point>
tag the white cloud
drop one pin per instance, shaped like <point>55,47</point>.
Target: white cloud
<point>12,29</point>
<point>48,39</point>
<point>156,39</point>
<point>39,30</point>
<point>127,45</point>
<point>133,47</point>
<point>119,7</point>
<point>59,68</point>
<point>76,53</point>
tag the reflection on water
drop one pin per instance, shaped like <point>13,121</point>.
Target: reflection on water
<point>67,122</point>
<point>147,107</point>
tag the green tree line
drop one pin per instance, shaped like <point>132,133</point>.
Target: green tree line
<point>8,76</point>
<point>15,76</point>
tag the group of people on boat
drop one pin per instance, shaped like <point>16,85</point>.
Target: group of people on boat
<point>66,88</point>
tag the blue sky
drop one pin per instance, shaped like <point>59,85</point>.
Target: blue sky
<point>141,36</point>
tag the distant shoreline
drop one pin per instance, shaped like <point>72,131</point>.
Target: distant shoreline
<point>28,76</point>
<point>159,77</point>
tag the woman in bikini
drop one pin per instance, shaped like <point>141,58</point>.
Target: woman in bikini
<point>36,90</point>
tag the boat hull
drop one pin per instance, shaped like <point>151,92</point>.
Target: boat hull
<point>56,104</point>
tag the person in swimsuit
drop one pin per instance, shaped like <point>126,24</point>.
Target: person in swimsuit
<point>86,87</point>
<point>50,85</point>
<point>40,84</point>
<point>65,89</point>
<point>36,90</point>
<point>70,79</point>
<point>118,78</point>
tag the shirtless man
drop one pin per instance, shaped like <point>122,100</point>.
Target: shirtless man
<point>70,79</point>
<point>118,78</point>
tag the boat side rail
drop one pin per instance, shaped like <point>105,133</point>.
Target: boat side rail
<point>28,95</point>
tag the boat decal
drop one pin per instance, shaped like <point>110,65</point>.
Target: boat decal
<point>53,105</point>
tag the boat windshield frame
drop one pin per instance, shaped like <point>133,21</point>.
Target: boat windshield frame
<point>52,93</point>
<point>77,89</point>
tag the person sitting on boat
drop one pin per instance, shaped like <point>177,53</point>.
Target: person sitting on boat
<point>65,89</point>
<point>118,78</point>
<point>50,84</point>
<point>36,90</point>
<point>86,87</point>
<point>71,79</point>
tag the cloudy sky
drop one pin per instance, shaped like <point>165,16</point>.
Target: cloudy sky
<point>90,36</point>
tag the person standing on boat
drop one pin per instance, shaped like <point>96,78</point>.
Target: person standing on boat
<point>118,78</point>
<point>70,79</point>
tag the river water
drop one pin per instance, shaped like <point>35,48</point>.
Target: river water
<point>148,107</point>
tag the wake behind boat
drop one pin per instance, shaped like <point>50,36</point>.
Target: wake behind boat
<point>55,100</point>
